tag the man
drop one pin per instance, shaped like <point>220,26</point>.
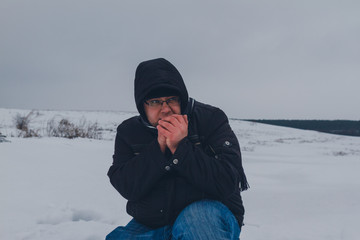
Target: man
<point>178,164</point>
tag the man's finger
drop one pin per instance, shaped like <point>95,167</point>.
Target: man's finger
<point>179,118</point>
<point>186,119</point>
<point>167,125</point>
<point>162,130</point>
<point>173,119</point>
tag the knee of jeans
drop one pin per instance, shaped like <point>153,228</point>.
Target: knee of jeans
<point>204,211</point>
<point>206,218</point>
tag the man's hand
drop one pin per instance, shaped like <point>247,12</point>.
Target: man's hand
<point>174,128</point>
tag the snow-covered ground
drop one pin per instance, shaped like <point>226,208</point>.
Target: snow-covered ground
<point>304,184</point>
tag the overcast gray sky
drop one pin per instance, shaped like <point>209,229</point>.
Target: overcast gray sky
<point>254,59</point>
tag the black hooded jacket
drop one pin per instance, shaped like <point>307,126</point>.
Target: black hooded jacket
<point>206,165</point>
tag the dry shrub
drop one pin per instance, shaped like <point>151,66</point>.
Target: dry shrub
<point>66,129</point>
<point>22,123</point>
<point>3,138</point>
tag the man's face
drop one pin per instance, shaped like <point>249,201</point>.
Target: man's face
<point>157,108</point>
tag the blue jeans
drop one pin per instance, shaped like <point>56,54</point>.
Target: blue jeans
<point>205,219</point>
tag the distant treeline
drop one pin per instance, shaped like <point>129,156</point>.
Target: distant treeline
<point>342,127</point>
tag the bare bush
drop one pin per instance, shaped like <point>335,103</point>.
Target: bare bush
<point>22,123</point>
<point>29,133</point>
<point>340,153</point>
<point>3,138</point>
<point>66,129</point>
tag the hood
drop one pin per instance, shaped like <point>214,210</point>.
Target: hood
<point>158,73</point>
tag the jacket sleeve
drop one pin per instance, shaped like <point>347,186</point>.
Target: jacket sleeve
<point>133,176</point>
<point>218,175</point>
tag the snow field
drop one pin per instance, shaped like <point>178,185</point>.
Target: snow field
<point>304,184</point>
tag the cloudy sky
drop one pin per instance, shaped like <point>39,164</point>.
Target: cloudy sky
<point>254,59</point>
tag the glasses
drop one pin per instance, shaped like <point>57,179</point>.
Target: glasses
<point>157,103</point>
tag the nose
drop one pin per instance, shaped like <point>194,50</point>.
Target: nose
<point>165,108</point>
